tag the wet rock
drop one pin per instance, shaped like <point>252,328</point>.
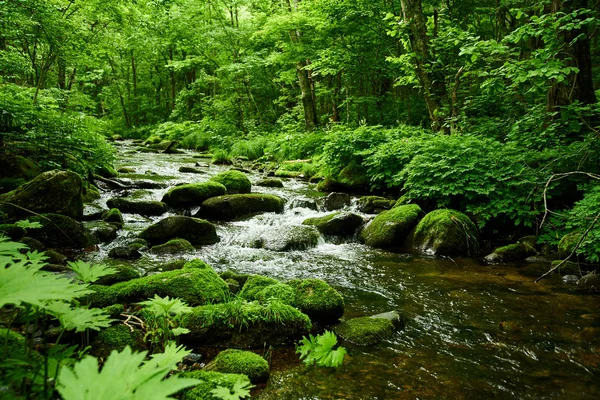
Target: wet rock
<point>236,182</point>
<point>190,170</point>
<point>391,228</point>
<point>287,238</point>
<point>32,244</point>
<point>12,231</point>
<point>317,299</point>
<point>193,194</point>
<point>365,331</point>
<point>195,286</point>
<point>197,231</point>
<point>126,170</point>
<point>230,207</point>
<point>169,266</point>
<point>446,232</point>
<point>336,224</point>
<point>54,257</point>
<point>510,253</point>
<point>59,231</point>
<point>270,182</point>
<point>299,202</point>
<point>124,273</point>
<point>102,232</point>
<point>374,204</point>
<point>90,193</point>
<point>567,268</point>
<point>542,259</point>
<point>148,185</point>
<point>173,246</point>
<point>262,289</point>
<point>142,207</point>
<point>57,192</point>
<point>336,200</point>
<point>234,361</point>
<point>125,253</point>
<point>114,217</point>
<point>570,279</point>
<point>246,325</point>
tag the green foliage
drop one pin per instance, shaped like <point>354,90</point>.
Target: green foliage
<point>319,350</point>
<point>221,156</point>
<point>88,274</point>
<point>240,390</point>
<point>162,317</point>
<point>252,149</point>
<point>125,376</point>
<point>217,385</point>
<point>25,223</point>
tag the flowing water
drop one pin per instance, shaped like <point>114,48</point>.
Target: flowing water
<point>475,331</point>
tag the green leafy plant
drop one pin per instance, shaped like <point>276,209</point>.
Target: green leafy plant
<point>125,376</point>
<point>320,350</point>
<point>162,315</point>
<point>88,274</point>
<point>240,390</point>
<point>25,223</point>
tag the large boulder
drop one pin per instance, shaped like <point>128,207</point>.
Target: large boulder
<point>197,231</point>
<point>246,324</point>
<point>233,206</point>
<point>374,204</point>
<point>17,167</point>
<point>317,299</point>
<point>391,228</point>
<point>57,192</point>
<point>59,231</point>
<point>446,232</point>
<point>264,289</point>
<point>512,252</point>
<point>286,238</point>
<point>336,200</point>
<point>193,194</point>
<point>336,224</point>
<point>235,181</point>
<point>195,286</point>
<point>142,207</point>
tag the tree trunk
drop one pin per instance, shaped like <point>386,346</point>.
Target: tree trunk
<point>434,89</point>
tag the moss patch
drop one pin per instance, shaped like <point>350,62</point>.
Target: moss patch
<point>197,231</point>
<point>365,331</point>
<point>173,246</point>
<point>230,207</point>
<point>391,228</point>
<point>317,299</point>
<point>116,337</point>
<point>113,216</point>
<point>210,380</point>
<point>265,289</point>
<point>567,244</point>
<point>235,361</point>
<point>193,194</point>
<point>336,224</point>
<point>235,181</point>
<point>270,182</point>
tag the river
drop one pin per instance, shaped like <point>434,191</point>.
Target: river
<point>475,331</point>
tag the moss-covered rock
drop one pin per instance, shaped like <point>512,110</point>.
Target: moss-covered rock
<point>567,268</point>
<point>391,228</point>
<point>374,204</point>
<point>173,246</point>
<point>116,337</point>
<point>13,166</point>
<point>12,231</point>
<point>114,217</point>
<point>236,182</point>
<point>567,244</point>
<point>129,252</point>
<point>197,231</point>
<point>142,207</point>
<point>287,238</point>
<point>193,194</point>
<point>14,346</point>
<point>365,331</point>
<point>336,224</point>
<point>101,232</point>
<point>114,311</point>
<point>196,263</point>
<point>511,252</point>
<point>234,361</point>
<point>107,171</point>
<point>230,207</point>
<point>317,299</point>
<point>336,200</point>
<point>246,325</point>
<point>124,273</point>
<point>446,232</point>
<point>193,285</point>
<point>57,192</point>
<point>265,289</point>
<point>168,266</point>
<point>210,381</point>
<point>90,192</point>
<point>270,182</point>
<point>354,176</point>
<point>190,170</point>
<point>60,231</point>
<point>255,284</point>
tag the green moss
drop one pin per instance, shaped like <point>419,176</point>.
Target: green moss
<point>236,276</point>
<point>142,207</point>
<point>265,289</point>
<point>446,232</point>
<point>59,231</point>
<point>113,216</point>
<point>193,194</point>
<point>512,252</point>
<point>173,246</point>
<point>568,268</point>
<point>282,173</point>
<point>125,272</point>
<point>196,263</point>
<point>234,181</point>
<point>194,286</point>
<point>254,285</point>
<point>365,331</point>
<point>354,175</point>
<point>317,299</point>
<point>244,324</point>
<point>233,361</point>
<point>374,204</point>
<point>116,337</point>
<point>336,224</point>
<point>391,228</point>
<point>153,139</point>
<point>567,244</point>
<point>13,345</point>
<point>270,182</point>
<point>197,231</point>
<point>114,311</point>
<point>210,381</point>
<point>230,207</point>
<point>90,192</point>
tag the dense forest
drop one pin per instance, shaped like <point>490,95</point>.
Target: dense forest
<point>488,107</point>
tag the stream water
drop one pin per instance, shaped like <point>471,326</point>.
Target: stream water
<point>475,331</point>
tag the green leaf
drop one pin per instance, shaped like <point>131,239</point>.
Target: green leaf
<point>89,274</point>
<point>240,390</point>
<point>79,318</point>
<point>25,223</point>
